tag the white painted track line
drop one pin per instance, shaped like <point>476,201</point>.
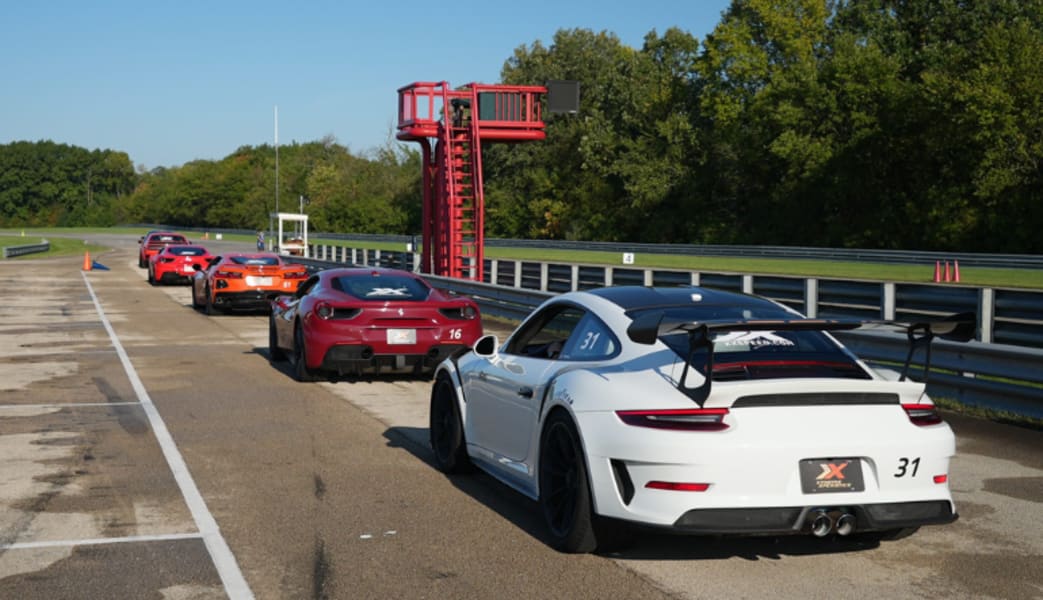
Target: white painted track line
<point>234,583</point>
<point>99,541</point>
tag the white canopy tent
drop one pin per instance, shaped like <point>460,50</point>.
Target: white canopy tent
<point>298,244</point>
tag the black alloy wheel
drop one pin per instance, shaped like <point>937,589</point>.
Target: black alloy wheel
<point>151,276</point>
<point>564,491</point>
<point>446,429</point>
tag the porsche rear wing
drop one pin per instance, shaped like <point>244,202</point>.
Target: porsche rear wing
<point>648,327</point>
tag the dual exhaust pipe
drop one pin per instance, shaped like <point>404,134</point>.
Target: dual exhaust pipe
<point>824,522</point>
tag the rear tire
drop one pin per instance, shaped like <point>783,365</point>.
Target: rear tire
<point>151,277</point>
<point>275,353</point>
<point>565,497</point>
<point>195,301</point>
<point>300,363</point>
<point>208,306</point>
<point>446,429</point>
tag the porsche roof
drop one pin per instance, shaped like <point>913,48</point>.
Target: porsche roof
<point>634,297</point>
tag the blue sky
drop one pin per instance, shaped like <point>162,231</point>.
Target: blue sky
<point>171,82</point>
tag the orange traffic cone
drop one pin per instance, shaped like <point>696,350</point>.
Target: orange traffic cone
<point>937,271</point>
<point>948,275</point>
<point>87,261</point>
<point>956,271</point>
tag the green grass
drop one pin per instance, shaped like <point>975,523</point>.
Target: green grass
<point>59,246</point>
<point>972,276</point>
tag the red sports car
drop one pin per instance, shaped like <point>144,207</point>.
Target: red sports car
<point>369,320</point>
<point>154,241</point>
<point>241,280</point>
<point>177,263</point>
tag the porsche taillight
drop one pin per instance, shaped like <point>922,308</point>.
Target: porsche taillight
<point>922,414</point>
<point>685,419</point>
<point>228,275</point>
<point>677,486</point>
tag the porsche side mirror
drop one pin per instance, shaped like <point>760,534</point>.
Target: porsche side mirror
<point>486,346</point>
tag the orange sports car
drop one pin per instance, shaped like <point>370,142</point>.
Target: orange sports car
<point>244,281</point>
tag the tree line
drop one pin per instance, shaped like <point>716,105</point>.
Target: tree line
<point>896,124</point>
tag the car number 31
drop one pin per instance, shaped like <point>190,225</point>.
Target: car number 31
<point>907,466</point>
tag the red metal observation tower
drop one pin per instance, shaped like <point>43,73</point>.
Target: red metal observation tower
<point>459,121</point>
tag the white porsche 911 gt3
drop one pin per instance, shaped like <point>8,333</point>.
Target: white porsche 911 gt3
<point>696,411</point>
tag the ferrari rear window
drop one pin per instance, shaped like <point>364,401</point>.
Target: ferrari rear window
<point>382,288</point>
<point>255,260</point>
<point>186,250</point>
<point>168,239</point>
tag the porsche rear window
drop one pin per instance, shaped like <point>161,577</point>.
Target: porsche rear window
<point>741,345</point>
<point>255,260</point>
<point>186,250</point>
<point>382,288</point>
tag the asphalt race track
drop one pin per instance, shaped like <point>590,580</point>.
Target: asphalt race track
<point>149,451</point>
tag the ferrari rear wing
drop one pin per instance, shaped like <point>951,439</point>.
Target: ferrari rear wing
<point>648,327</point>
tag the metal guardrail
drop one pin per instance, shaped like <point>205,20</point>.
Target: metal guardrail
<point>12,251</point>
<point>1005,316</point>
<point>990,375</point>
<point>926,258</point>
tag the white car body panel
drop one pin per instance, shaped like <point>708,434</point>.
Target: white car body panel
<point>752,464</point>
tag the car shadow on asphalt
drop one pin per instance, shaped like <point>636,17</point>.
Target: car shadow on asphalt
<point>648,544</point>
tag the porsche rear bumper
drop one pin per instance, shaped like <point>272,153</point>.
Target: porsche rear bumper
<point>797,519</point>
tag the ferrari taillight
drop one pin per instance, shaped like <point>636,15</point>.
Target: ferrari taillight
<point>228,275</point>
<point>922,414</point>
<point>323,310</point>
<point>166,260</point>
<point>464,312</point>
<point>685,419</point>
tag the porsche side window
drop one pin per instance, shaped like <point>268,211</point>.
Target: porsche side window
<point>547,333</point>
<point>592,340</point>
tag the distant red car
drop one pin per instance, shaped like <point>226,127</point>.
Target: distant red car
<point>175,264</point>
<point>244,280</point>
<point>369,320</point>
<point>154,241</point>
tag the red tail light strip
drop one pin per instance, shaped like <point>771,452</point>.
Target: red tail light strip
<point>674,486</point>
<point>922,414</point>
<point>688,419</point>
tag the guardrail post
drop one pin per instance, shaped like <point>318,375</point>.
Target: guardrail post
<point>811,298</point>
<point>747,284</point>
<point>986,313</point>
<point>543,277</point>
<point>575,277</point>
<point>608,276</point>
<point>695,277</point>
<point>517,274</point>
<point>648,277</point>
<point>494,271</point>
<point>888,308</point>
